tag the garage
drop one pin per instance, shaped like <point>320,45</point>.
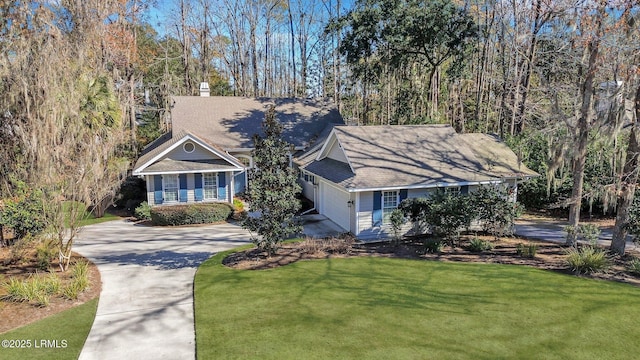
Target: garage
<point>334,205</point>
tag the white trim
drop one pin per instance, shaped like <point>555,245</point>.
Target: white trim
<point>333,139</point>
<point>164,189</point>
<point>185,172</point>
<point>357,222</point>
<point>215,187</point>
<point>229,158</point>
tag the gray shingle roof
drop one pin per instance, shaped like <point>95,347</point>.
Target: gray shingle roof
<point>231,122</point>
<point>495,156</point>
<point>401,156</point>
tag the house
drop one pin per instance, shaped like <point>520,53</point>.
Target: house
<point>353,175</point>
<point>206,154</point>
<point>359,175</point>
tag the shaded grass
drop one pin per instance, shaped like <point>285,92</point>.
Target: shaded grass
<point>71,326</point>
<point>85,217</point>
<point>381,308</point>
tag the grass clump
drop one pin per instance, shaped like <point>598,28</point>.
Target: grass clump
<point>79,282</point>
<point>587,260</point>
<point>35,290</point>
<point>634,266</point>
<point>432,246</point>
<point>478,245</point>
<point>527,251</point>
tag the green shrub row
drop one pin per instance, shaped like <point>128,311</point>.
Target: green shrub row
<point>190,214</point>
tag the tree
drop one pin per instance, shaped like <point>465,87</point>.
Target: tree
<point>490,206</point>
<point>394,43</point>
<point>274,188</point>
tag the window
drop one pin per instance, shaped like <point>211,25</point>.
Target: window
<point>452,190</point>
<point>210,186</point>
<point>188,147</point>
<point>170,184</point>
<point>389,203</point>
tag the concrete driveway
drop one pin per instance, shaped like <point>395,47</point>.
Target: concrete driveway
<point>146,304</point>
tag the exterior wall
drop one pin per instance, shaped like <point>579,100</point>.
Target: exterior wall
<point>199,153</point>
<point>336,153</point>
<point>225,193</point>
<point>334,204</point>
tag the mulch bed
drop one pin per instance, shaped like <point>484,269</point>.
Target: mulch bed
<point>549,256</point>
<point>14,315</point>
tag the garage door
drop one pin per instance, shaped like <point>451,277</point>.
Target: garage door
<point>333,204</point>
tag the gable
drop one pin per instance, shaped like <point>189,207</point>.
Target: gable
<point>185,153</point>
<point>398,156</point>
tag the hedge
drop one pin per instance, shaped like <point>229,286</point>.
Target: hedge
<point>190,214</point>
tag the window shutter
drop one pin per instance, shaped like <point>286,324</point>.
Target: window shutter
<point>157,189</point>
<point>182,181</point>
<point>464,190</point>
<point>377,208</point>
<point>403,194</point>
<point>222,186</point>
<point>198,192</point>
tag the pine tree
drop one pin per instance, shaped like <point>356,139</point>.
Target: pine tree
<point>273,188</point>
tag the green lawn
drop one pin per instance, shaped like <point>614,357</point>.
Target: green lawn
<point>380,308</point>
<point>64,335</point>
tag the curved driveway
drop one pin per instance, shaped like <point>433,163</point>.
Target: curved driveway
<point>146,304</point>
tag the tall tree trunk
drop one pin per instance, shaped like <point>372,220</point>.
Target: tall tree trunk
<point>628,186</point>
<point>293,48</point>
<point>583,127</point>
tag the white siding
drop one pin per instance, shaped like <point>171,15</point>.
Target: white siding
<point>336,153</point>
<point>365,212</point>
<point>199,153</point>
<point>333,204</point>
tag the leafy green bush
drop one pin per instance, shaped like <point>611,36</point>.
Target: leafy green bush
<point>432,246</point>
<point>143,211</point>
<point>479,245</point>
<point>589,232</point>
<point>588,259</point>
<point>23,212</point>
<point>490,205</point>
<point>46,251</point>
<point>190,214</point>
<point>527,251</point>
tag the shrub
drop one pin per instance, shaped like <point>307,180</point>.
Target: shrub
<point>588,259</point>
<point>143,211</point>
<point>478,245</point>
<point>190,214</point>
<point>46,251</point>
<point>79,282</point>
<point>432,246</point>
<point>490,205</point>
<point>634,266</point>
<point>24,212</point>
<point>527,251</point>
<point>238,205</point>
<point>590,233</point>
